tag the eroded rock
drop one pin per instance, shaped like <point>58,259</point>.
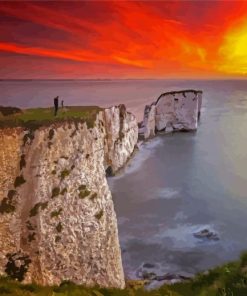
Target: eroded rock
<point>62,217</point>
<point>206,234</point>
<point>173,111</point>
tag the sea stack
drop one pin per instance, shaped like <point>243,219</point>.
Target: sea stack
<point>173,111</point>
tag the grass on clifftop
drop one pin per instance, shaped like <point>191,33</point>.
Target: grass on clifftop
<point>34,118</point>
<point>227,280</point>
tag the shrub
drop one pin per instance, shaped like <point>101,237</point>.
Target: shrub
<point>53,172</point>
<point>59,227</point>
<point>5,290</point>
<point>84,193</point>
<point>64,174</point>
<point>28,136</point>
<point>40,205</point>
<point>6,111</point>
<point>19,181</point>
<point>29,287</point>
<point>243,259</point>
<point>99,215</point>
<point>17,271</point>
<point>109,172</point>
<point>56,213</point>
<point>51,134</point>
<point>82,187</point>
<point>6,206</point>
<point>57,238</point>
<point>55,192</point>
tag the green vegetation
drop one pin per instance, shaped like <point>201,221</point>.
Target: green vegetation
<point>84,192</point>
<point>99,215</point>
<point>227,280</point>
<point>51,134</point>
<point>82,187</point>
<point>56,213</point>
<point>28,136</point>
<point>34,118</point>
<point>57,238</point>
<point>6,206</point>
<point>65,173</point>
<point>7,203</point>
<point>5,111</point>
<point>59,227</point>
<point>40,205</point>
<point>55,192</point>
<point>17,266</point>
<point>19,181</point>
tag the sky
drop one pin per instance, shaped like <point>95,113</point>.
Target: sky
<point>123,39</point>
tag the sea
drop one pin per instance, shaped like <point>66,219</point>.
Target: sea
<point>176,185</point>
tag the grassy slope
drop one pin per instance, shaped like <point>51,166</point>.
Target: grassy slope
<point>34,118</point>
<point>227,280</point>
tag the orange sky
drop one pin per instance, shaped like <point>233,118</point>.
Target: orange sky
<point>117,39</point>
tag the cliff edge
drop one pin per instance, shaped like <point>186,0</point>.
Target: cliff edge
<point>57,219</point>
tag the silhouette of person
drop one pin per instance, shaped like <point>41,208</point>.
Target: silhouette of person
<point>56,105</point>
<point>62,103</point>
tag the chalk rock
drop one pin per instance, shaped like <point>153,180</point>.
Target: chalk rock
<point>57,218</point>
<point>149,121</point>
<point>173,111</point>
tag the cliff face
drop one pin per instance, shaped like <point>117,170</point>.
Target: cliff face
<point>173,111</point>
<point>57,219</point>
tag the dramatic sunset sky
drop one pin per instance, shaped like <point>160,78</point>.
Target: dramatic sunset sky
<point>118,39</point>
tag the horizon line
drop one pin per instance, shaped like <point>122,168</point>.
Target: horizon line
<point>111,79</point>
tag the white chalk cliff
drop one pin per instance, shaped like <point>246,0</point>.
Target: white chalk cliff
<point>173,111</point>
<point>57,219</point>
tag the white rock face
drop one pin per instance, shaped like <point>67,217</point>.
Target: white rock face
<point>122,136</point>
<point>173,111</point>
<point>63,222</point>
<point>149,121</point>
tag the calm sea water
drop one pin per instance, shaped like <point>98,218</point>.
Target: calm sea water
<point>176,184</point>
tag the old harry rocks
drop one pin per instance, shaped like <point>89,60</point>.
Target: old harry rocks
<point>173,111</point>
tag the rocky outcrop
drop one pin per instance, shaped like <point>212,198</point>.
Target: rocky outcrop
<point>173,111</point>
<point>57,219</point>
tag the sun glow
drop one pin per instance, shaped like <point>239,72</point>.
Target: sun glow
<point>234,51</point>
<point>123,39</point>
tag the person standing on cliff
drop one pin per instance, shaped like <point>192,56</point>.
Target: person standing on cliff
<point>55,105</point>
